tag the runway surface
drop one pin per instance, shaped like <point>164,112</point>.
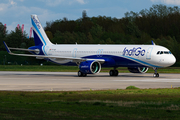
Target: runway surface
<point>67,81</point>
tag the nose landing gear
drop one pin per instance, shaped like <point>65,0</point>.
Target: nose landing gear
<point>156,74</point>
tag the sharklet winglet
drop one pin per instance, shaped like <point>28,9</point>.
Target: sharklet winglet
<point>153,42</point>
<point>7,48</point>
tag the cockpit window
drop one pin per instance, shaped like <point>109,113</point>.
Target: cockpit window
<point>166,52</point>
<point>163,52</point>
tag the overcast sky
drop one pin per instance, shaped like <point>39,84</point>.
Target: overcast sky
<point>13,12</point>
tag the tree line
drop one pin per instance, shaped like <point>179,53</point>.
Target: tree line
<point>158,23</point>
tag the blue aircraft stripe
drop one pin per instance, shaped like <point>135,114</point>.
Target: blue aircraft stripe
<point>44,50</point>
<point>109,62</point>
<point>142,62</point>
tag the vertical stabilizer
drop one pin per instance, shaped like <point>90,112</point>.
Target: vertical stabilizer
<point>40,37</point>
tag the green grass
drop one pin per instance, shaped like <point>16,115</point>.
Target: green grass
<point>104,104</point>
<point>58,68</point>
<point>131,87</point>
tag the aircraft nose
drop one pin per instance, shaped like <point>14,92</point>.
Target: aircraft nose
<point>167,61</point>
<point>174,59</point>
<point>171,60</point>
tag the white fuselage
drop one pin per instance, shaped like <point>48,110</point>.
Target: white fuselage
<point>143,54</point>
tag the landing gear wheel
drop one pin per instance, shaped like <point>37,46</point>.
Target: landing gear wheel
<point>80,74</point>
<point>116,73</point>
<point>156,75</point>
<point>113,72</point>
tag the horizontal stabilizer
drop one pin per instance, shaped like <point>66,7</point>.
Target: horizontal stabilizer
<point>21,49</point>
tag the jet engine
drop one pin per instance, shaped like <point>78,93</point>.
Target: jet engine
<point>90,67</point>
<point>138,69</point>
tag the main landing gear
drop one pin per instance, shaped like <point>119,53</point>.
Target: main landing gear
<point>80,74</point>
<point>156,74</point>
<point>113,72</point>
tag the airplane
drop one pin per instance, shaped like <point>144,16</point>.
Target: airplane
<point>91,58</point>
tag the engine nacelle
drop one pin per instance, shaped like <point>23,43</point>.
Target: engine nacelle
<point>90,67</point>
<point>138,69</point>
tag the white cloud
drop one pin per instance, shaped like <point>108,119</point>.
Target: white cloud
<point>2,7</point>
<point>12,14</point>
<point>12,2</point>
<point>81,1</point>
<point>172,2</point>
<point>54,3</point>
<point>15,14</point>
<point>5,6</point>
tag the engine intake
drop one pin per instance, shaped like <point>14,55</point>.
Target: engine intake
<point>90,67</point>
<point>138,69</point>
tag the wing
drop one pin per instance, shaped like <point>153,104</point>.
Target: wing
<point>44,56</point>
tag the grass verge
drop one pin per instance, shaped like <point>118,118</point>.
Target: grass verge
<point>104,104</point>
<point>132,87</point>
<point>58,68</point>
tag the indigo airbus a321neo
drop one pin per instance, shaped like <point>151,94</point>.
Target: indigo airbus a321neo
<point>91,58</point>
